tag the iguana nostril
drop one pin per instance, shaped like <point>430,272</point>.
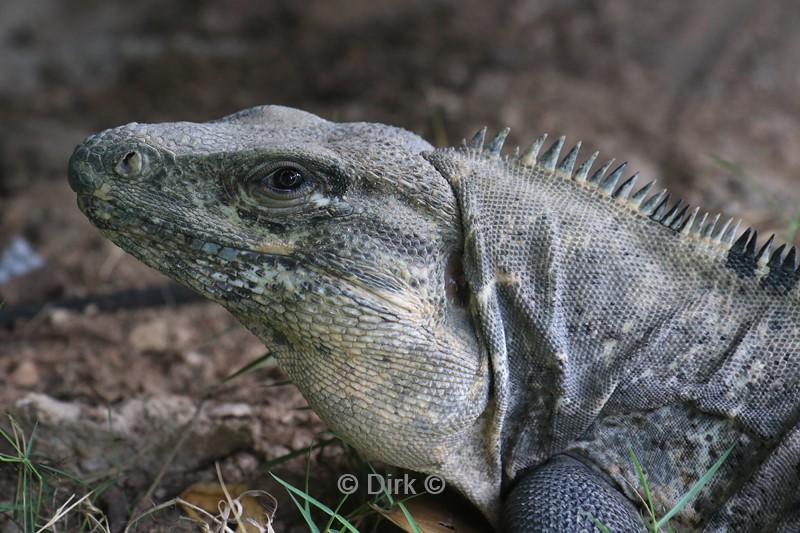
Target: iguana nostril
<point>129,166</point>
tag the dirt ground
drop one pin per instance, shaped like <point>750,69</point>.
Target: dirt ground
<point>674,88</point>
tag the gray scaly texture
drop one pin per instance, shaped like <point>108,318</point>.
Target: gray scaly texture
<point>505,321</point>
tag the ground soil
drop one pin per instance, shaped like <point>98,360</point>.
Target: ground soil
<point>670,87</point>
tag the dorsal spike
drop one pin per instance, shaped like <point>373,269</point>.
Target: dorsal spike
<point>515,153</point>
<point>598,175</point>
<point>677,221</point>
<point>550,157</point>
<point>583,170</point>
<point>708,230</point>
<point>669,216</point>
<point>722,231</point>
<point>638,196</point>
<point>717,237</point>
<point>658,213</point>
<point>763,254</point>
<point>741,243</point>
<point>568,163</point>
<point>790,262</point>
<point>687,227</point>
<point>528,157</point>
<point>477,140</point>
<point>610,182</point>
<point>776,259</point>
<point>731,234</point>
<point>625,189</point>
<point>649,206</point>
<point>700,226</point>
<point>496,144</point>
<point>750,250</point>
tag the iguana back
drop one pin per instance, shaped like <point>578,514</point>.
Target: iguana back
<point>503,321</point>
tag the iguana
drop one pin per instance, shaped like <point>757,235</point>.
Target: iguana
<point>508,322</point>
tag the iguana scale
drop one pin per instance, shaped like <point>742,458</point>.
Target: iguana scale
<point>506,321</point>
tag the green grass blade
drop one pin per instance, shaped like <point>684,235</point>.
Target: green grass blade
<point>596,522</point>
<point>304,511</point>
<point>313,501</point>
<point>695,488</point>
<point>249,367</point>
<point>409,518</point>
<point>329,525</point>
<point>403,508</point>
<point>281,383</point>
<point>650,507</point>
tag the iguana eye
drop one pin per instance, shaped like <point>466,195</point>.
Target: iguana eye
<point>284,181</point>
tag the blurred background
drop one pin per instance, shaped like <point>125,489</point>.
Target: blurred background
<point>701,95</point>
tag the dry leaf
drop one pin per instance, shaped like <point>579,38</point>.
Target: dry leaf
<point>207,496</point>
<point>238,502</point>
<point>431,516</point>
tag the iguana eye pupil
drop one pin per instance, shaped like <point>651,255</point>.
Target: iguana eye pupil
<point>285,179</point>
<point>281,184</point>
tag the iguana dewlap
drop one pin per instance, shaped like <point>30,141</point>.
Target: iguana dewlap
<point>505,321</point>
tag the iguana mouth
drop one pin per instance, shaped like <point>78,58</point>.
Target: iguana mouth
<point>110,218</point>
<point>131,231</point>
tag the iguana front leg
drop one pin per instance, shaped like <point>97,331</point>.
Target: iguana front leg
<point>556,496</point>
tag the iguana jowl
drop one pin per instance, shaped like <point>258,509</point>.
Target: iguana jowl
<point>507,322</point>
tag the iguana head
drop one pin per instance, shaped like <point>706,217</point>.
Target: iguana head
<point>337,244</point>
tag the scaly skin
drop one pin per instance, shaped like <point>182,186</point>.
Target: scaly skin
<point>506,323</point>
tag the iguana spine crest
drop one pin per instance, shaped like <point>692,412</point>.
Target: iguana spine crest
<point>657,207</point>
